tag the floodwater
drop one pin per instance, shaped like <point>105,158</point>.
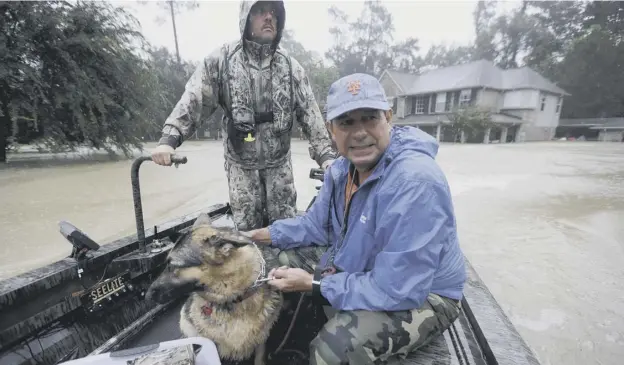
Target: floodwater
<point>540,222</point>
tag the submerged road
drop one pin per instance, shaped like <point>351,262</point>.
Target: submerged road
<point>540,222</point>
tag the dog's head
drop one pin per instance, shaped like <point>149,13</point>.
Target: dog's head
<point>197,259</point>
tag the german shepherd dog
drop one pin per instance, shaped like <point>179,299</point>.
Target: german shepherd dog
<point>227,304</point>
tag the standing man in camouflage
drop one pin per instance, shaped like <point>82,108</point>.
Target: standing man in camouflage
<point>262,91</point>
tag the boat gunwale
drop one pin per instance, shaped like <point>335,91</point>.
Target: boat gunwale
<point>45,275</point>
<point>19,292</point>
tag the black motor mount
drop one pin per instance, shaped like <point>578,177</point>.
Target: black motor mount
<point>81,243</point>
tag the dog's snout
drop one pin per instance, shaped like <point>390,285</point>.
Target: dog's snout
<point>169,287</point>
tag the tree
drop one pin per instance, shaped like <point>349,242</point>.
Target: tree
<point>164,81</point>
<point>70,75</point>
<point>556,26</point>
<point>443,56</point>
<point>320,75</point>
<point>173,8</point>
<point>592,73</point>
<point>471,120</point>
<point>367,44</point>
<point>484,18</point>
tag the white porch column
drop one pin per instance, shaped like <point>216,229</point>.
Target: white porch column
<point>462,137</point>
<point>486,138</point>
<point>438,132</point>
<point>503,138</point>
<point>401,107</point>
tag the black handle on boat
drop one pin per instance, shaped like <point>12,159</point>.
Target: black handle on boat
<point>136,194</point>
<point>317,174</point>
<point>175,159</point>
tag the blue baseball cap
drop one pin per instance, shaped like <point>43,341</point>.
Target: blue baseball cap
<point>355,91</point>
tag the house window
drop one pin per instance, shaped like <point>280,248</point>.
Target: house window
<point>543,103</point>
<point>559,104</point>
<point>418,105</point>
<point>464,97</point>
<point>448,105</point>
<point>440,102</point>
<point>432,104</point>
<point>394,105</point>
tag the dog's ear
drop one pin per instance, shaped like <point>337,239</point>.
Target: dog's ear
<point>235,238</point>
<point>184,253</point>
<point>175,236</point>
<point>202,219</point>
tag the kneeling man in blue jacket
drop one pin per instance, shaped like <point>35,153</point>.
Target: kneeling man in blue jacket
<point>393,270</point>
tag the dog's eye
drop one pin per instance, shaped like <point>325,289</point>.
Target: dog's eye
<point>212,239</point>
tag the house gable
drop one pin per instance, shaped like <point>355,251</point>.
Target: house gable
<point>390,86</point>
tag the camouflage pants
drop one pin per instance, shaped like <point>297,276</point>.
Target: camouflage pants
<point>365,337</point>
<point>254,191</point>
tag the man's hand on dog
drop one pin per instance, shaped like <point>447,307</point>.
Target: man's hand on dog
<point>261,235</point>
<point>288,279</point>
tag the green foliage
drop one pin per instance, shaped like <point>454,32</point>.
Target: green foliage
<point>592,72</point>
<point>164,82</point>
<point>80,74</point>
<point>367,43</point>
<point>471,120</point>
<point>321,76</point>
<point>70,73</point>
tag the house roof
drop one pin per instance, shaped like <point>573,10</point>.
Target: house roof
<point>434,119</point>
<point>422,119</point>
<point>482,73</point>
<point>593,123</point>
<point>612,123</point>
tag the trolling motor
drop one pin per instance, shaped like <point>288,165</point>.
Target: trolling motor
<point>81,243</point>
<point>136,194</point>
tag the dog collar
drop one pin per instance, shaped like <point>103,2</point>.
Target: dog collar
<point>208,308</point>
<point>262,274</point>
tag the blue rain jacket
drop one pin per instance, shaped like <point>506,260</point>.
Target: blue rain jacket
<point>401,238</point>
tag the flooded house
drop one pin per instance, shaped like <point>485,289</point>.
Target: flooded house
<point>520,104</point>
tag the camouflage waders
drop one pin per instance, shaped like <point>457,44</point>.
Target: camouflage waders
<point>365,337</point>
<point>253,190</point>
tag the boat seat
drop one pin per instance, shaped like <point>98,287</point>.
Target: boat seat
<point>192,351</point>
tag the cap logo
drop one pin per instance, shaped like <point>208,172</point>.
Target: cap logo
<point>353,87</point>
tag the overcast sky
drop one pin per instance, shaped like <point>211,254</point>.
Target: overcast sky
<point>215,22</point>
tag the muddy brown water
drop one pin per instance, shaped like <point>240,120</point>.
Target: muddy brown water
<point>541,222</point>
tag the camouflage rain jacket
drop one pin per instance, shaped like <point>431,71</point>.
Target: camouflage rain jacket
<point>262,91</point>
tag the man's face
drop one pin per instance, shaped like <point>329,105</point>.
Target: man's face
<point>362,136</point>
<point>263,22</point>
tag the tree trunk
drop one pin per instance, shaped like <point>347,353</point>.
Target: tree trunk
<point>175,33</point>
<point>4,124</point>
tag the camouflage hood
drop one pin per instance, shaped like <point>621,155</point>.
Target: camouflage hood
<point>243,17</point>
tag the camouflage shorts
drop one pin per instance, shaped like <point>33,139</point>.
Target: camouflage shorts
<point>365,337</point>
